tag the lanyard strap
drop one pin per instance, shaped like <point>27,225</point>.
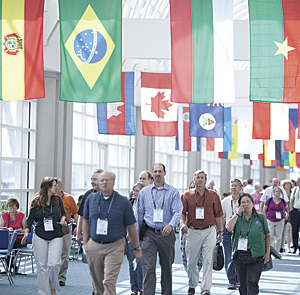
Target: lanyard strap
<point>248,226</point>
<point>50,212</point>
<point>162,205</point>
<point>99,208</point>
<point>14,220</point>
<point>200,196</point>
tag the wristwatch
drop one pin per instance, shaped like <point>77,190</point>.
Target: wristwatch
<point>138,249</point>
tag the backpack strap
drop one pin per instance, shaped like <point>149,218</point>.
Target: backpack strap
<point>91,200</point>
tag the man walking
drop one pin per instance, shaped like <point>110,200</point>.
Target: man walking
<point>295,214</point>
<point>160,207</point>
<point>202,210</point>
<point>107,217</point>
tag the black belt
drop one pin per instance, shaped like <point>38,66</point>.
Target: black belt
<point>157,230</point>
<point>201,228</point>
<point>103,242</point>
<point>297,209</point>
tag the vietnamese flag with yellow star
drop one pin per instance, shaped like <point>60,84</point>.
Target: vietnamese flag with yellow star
<point>91,50</point>
<point>21,55</point>
<point>274,50</point>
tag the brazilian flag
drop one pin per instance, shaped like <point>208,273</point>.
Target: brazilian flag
<point>91,50</point>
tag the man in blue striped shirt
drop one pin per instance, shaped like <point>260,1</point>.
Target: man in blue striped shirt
<point>160,206</point>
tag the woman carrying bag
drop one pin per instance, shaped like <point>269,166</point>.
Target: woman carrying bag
<point>250,247</point>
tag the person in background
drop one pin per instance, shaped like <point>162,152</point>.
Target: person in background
<point>211,184</point>
<point>245,182</point>
<point>249,188</point>
<point>287,232</point>
<point>256,196</point>
<point>146,177</point>
<point>250,250</point>
<point>47,210</point>
<point>265,186</point>
<point>136,274</point>
<point>79,200</point>
<point>276,210</point>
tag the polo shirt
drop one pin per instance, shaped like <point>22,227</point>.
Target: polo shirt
<point>69,204</point>
<point>295,196</point>
<point>212,207</point>
<point>256,242</point>
<point>86,194</point>
<point>119,217</point>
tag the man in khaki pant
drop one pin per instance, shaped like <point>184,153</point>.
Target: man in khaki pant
<point>107,217</point>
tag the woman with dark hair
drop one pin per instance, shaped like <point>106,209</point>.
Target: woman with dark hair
<point>250,249</point>
<point>47,210</point>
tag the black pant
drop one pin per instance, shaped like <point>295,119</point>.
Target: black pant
<point>249,275</point>
<point>295,222</point>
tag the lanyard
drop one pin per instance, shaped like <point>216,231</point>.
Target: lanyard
<point>248,226</point>
<point>99,209</point>
<point>50,212</point>
<point>200,196</point>
<point>162,205</point>
<point>14,220</point>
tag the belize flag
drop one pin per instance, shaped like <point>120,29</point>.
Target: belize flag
<point>118,117</point>
<point>207,120</point>
<point>183,140</point>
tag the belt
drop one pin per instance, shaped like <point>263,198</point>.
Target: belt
<point>296,209</point>
<point>200,228</point>
<point>104,242</point>
<point>157,230</point>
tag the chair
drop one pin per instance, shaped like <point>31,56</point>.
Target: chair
<point>25,252</point>
<point>4,254</point>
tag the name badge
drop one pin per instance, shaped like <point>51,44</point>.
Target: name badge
<point>242,244</point>
<point>298,203</point>
<point>256,207</point>
<point>48,224</point>
<point>158,215</point>
<point>102,226</point>
<point>278,215</point>
<point>199,213</point>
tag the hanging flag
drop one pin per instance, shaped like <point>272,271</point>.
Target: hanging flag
<point>183,140</point>
<point>207,120</point>
<point>159,115</point>
<point>223,155</point>
<point>118,117</point>
<point>202,51</point>
<point>274,54</point>
<point>246,144</point>
<point>234,153</point>
<point>290,145</point>
<point>22,64</point>
<point>269,154</point>
<point>270,121</point>
<point>222,144</point>
<point>91,50</point>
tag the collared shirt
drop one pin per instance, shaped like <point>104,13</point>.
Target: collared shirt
<point>256,242</point>
<point>172,207</point>
<point>119,217</point>
<point>229,207</point>
<point>248,189</point>
<point>69,204</point>
<point>212,207</point>
<point>86,194</point>
<point>296,197</point>
<point>268,193</point>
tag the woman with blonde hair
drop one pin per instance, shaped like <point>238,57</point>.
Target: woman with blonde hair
<point>48,212</point>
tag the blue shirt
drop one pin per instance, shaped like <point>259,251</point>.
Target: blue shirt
<point>172,208</point>
<point>119,217</point>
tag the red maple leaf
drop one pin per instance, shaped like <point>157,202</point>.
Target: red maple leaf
<point>158,105</point>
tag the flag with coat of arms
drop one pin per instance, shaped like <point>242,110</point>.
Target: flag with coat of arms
<point>207,120</point>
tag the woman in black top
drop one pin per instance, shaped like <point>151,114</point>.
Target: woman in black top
<point>47,210</point>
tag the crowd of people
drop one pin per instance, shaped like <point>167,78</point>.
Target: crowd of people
<point>248,221</point>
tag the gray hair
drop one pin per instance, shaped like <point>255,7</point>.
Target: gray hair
<point>58,181</point>
<point>98,171</point>
<point>257,184</point>
<point>113,175</point>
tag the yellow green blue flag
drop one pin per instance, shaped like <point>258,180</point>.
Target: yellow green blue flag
<point>91,50</point>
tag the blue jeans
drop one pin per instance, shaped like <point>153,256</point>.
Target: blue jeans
<point>136,276</point>
<point>229,265</point>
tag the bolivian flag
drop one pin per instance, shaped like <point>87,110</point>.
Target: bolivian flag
<point>202,51</point>
<point>21,56</point>
<point>91,50</point>
<point>274,50</point>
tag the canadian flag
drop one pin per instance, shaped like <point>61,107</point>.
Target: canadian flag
<point>159,114</point>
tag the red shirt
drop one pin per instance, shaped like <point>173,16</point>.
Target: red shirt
<point>212,207</point>
<point>18,223</point>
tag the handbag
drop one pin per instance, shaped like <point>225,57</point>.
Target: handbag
<point>218,257</point>
<point>65,228</point>
<point>142,230</point>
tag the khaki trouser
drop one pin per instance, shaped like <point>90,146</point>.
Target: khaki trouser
<point>66,249</point>
<point>104,262</point>
<point>276,229</point>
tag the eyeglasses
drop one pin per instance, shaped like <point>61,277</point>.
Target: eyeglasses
<point>104,180</point>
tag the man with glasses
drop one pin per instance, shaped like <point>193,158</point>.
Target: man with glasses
<point>229,207</point>
<point>159,206</point>
<point>202,210</point>
<point>107,217</point>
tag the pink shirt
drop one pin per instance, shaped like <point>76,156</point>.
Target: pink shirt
<point>256,200</point>
<point>12,223</point>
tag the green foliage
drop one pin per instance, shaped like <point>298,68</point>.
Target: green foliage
<point>3,208</point>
